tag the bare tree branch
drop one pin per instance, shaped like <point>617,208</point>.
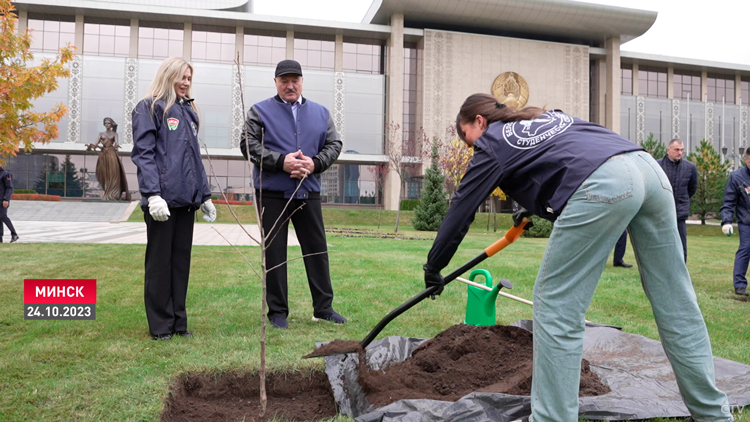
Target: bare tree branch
<point>239,252</point>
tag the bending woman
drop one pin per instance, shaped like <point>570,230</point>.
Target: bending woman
<point>593,184</point>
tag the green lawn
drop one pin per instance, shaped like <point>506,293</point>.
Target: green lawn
<point>109,369</point>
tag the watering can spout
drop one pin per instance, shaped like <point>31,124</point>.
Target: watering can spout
<point>480,306</point>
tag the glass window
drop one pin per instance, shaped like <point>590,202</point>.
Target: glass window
<point>720,88</point>
<point>315,51</point>
<point>160,40</point>
<point>627,79</point>
<point>363,55</point>
<point>104,38</point>
<point>652,82</point>
<point>687,84</point>
<point>214,44</point>
<point>265,48</point>
<point>50,34</point>
<point>410,91</point>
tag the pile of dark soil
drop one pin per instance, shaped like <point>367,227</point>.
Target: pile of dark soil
<point>235,397</point>
<point>458,361</point>
<point>461,360</point>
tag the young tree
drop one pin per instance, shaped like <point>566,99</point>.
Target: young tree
<point>433,205</point>
<point>379,173</point>
<point>654,147</point>
<point>454,160</point>
<point>402,158</point>
<point>712,179</point>
<point>20,84</point>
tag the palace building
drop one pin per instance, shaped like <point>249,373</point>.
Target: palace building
<point>392,81</point>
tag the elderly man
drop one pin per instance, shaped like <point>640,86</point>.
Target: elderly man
<point>683,175</point>
<point>291,140</point>
<point>736,201</point>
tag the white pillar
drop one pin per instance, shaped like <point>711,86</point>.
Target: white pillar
<point>395,106</point>
<point>612,119</point>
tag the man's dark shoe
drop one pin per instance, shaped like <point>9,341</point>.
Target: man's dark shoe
<point>279,322</point>
<point>162,337</point>
<point>742,291</point>
<point>184,333</point>
<point>13,238</point>
<point>331,317</point>
<point>623,264</point>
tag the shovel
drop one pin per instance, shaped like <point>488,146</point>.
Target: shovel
<point>339,346</point>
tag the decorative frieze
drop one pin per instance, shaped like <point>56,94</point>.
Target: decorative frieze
<point>75,96</point>
<point>339,102</point>
<point>131,99</point>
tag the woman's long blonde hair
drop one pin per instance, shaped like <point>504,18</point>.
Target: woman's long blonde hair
<point>170,73</point>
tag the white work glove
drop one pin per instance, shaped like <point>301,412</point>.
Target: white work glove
<point>209,211</point>
<point>158,208</point>
<point>727,229</point>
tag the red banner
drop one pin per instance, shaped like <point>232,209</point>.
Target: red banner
<point>59,291</point>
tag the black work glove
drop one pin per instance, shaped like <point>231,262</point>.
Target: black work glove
<point>519,215</point>
<point>432,278</point>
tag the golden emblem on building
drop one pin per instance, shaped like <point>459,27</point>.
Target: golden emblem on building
<point>511,89</point>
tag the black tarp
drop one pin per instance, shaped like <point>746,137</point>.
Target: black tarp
<point>634,367</point>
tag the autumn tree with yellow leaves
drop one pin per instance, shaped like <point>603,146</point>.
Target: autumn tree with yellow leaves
<point>20,84</point>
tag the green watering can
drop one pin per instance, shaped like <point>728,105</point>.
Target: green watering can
<point>480,306</point>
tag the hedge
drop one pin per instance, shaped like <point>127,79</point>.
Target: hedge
<point>34,197</point>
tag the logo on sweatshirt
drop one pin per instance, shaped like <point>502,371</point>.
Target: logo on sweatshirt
<point>527,134</point>
<point>172,123</point>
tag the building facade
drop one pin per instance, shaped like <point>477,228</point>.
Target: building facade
<point>393,81</point>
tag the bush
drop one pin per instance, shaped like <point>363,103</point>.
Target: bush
<point>24,191</point>
<point>34,197</point>
<point>409,204</point>
<point>433,205</point>
<point>542,228</point>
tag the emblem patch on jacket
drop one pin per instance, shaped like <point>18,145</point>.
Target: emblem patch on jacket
<point>172,123</point>
<point>527,134</point>
<point>747,190</point>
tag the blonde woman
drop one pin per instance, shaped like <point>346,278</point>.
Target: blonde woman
<point>173,186</point>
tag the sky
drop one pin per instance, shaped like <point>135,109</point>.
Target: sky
<point>714,30</point>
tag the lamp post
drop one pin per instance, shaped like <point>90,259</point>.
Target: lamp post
<point>731,155</point>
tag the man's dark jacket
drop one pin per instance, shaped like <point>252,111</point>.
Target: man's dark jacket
<point>6,185</point>
<point>737,197</point>
<point>314,133</point>
<point>683,175</point>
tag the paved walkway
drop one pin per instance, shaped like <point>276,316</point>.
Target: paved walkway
<point>104,222</point>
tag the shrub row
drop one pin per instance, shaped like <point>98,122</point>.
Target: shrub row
<point>34,197</point>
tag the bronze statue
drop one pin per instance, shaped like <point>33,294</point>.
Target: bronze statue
<point>109,170</point>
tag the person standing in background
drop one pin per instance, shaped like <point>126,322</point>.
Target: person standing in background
<point>683,176</point>
<point>292,140</point>
<point>173,186</point>
<point>736,201</point>
<point>6,191</point>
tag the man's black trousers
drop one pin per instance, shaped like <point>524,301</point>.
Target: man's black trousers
<point>5,220</point>
<point>308,225</point>
<point>167,270</point>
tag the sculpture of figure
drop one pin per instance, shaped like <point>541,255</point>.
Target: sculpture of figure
<point>109,170</point>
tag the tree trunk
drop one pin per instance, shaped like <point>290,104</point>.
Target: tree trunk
<point>380,213</point>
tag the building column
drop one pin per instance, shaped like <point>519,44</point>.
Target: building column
<point>704,86</point>
<point>239,45</point>
<point>612,119</point>
<point>670,82</point>
<point>636,81</point>
<point>737,89</point>
<point>187,42</point>
<point>338,58</point>
<point>290,45</point>
<point>79,34</point>
<point>133,38</point>
<point>394,113</point>
<point>23,20</point>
